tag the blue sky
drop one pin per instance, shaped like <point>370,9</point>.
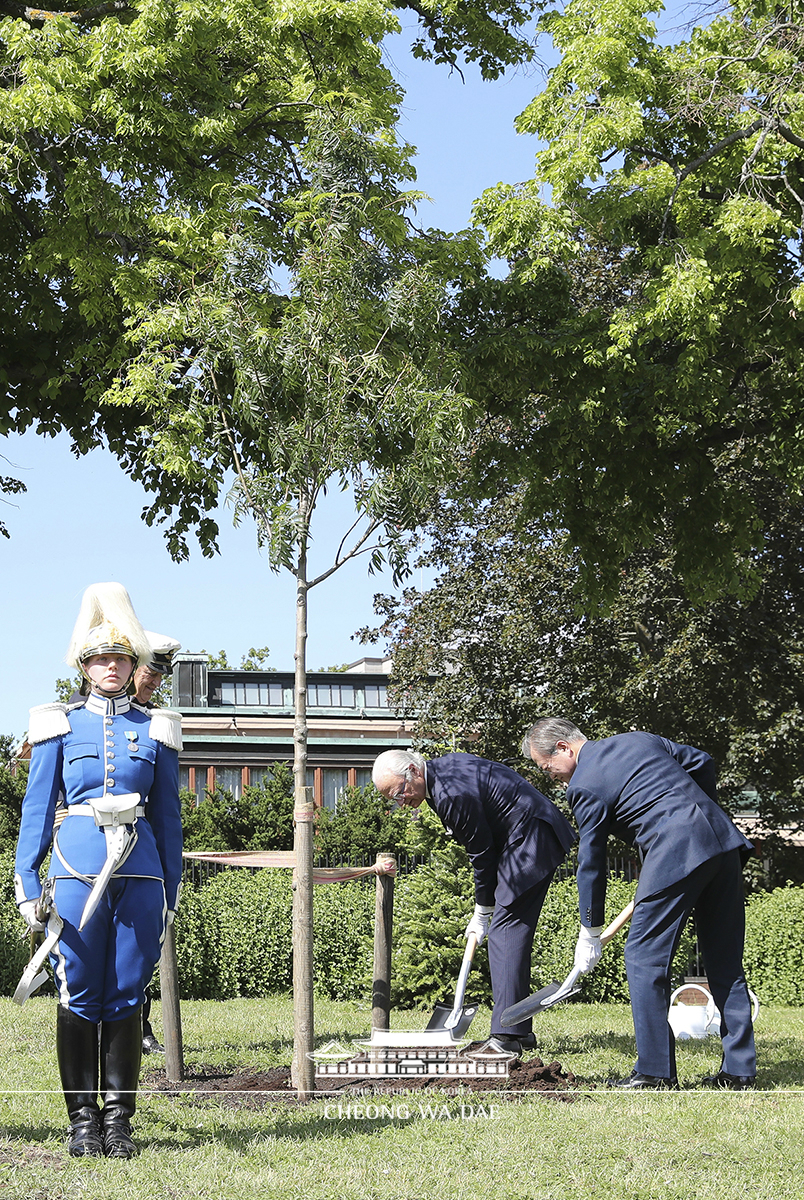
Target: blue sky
<point>79,522</point>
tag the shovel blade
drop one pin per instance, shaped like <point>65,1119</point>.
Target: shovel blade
<point>443,1018</point>
<point>536,1003</point>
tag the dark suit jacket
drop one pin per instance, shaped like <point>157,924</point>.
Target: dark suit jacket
<point>513,834</point>
<point>654,794</point>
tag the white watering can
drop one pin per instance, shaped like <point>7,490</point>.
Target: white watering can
<point>698,1020</point>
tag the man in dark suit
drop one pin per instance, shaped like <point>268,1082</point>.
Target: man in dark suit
<point>515,838</point>
<point>661,797</point>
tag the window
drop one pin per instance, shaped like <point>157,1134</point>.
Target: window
<point>333,781</point>
<point>253,692</point>
<point>376,695</point>
<point>331,695</point>
<point>194,779</point>
<point>362,776</point>
<point>229,779</point>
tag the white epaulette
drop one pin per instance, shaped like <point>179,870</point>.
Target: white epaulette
<point>165,727</point>
<point>48,721</point>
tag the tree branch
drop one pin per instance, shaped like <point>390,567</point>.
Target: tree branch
<point>712,152</point>
<point>359,548</point>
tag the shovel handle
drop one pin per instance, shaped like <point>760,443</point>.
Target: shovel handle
<point>616,925</point>
<point>460,986</point>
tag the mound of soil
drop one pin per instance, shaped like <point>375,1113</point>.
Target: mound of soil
<point>243,1087</point>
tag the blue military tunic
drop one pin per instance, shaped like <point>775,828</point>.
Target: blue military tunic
<point>112,747</point>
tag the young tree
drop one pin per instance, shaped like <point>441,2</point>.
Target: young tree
<point>674,173</point>
<point>345,384</point>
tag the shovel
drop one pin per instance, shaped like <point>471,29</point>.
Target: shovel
<point>555,992</point>
<point>456,1019</point>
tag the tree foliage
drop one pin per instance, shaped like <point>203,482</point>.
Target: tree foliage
<point>499,641</point>
<point>12,790</point>
<point>255,659</point>
<point>141,145</point>
<point>671,177</point>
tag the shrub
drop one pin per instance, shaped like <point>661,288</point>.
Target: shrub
<point>261,819</point>
<point>234,937</point>
<point>362,825</point>
<point>343,939</point>
<point>431,908</point>
<point>15,946</point>
<point>774,945</point>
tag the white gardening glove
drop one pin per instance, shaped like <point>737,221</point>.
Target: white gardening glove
<point>29,916</point>
<point>171,917</point>
<point>588,948</point>
<point>479,924</point>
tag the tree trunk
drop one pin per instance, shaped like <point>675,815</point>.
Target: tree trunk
<point>303,1070</point>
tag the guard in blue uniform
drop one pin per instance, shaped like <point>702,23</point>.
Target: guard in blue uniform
<point>515,838</point>
<point>115,868</point>
<point>661,797</point>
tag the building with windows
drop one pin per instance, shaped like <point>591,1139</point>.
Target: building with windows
<point>236,725</point>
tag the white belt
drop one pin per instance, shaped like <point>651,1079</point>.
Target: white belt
<point>86,810</point>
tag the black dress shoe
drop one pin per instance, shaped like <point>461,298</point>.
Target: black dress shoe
<point>85,1138</point>
<point>151,1045</point>
<point>513,1043</point>
<point>636,1081</point>
<point>732,1083</point>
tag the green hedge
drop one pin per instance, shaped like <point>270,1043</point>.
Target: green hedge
<point>233,937</point>
<point>15,944</point>
<point>434,904</point>
<point>774,945</point>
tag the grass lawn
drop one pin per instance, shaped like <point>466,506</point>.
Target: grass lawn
<point>695,1143</point>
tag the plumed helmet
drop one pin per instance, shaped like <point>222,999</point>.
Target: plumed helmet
<point>107,624</point>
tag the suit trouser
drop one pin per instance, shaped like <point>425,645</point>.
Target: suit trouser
<point>714,891</point>
<point>510,943</point>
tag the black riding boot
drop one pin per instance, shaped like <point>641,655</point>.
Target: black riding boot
<point>120,1055</point>
<point>77,1054</point>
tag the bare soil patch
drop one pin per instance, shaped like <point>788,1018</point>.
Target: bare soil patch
<point>244,1087</point>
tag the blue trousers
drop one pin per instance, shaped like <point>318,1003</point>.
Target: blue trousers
<point>102,972</point>
<point>510,943</point>
<point>714,891</point>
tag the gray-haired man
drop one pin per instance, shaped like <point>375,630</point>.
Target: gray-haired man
<point>515,838</point>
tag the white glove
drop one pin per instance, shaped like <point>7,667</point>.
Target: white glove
<point>479,924</point>
<point>171,917</point>
<point>588,948</point>
<point>28,914</point>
